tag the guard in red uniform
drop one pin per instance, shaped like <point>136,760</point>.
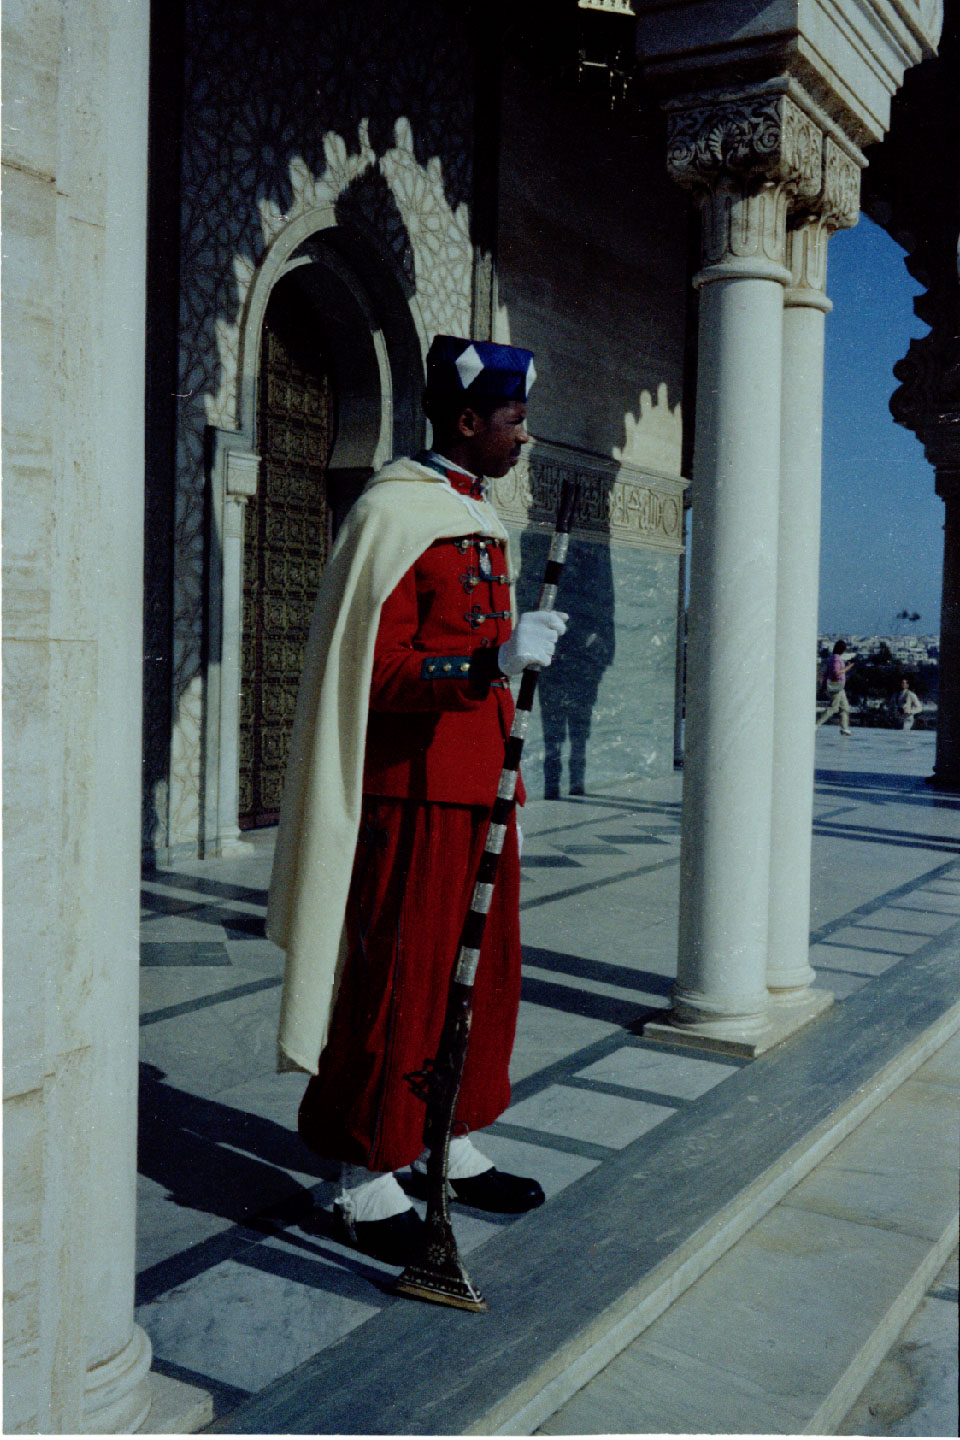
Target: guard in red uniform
<point>441,648</point>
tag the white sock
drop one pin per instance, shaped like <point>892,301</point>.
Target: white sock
<point>465,1160</point>
<point>370,1194</point>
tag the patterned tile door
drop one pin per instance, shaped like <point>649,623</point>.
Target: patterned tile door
<point>285,545</point>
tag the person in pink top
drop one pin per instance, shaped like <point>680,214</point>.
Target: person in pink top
<point>836,680</point>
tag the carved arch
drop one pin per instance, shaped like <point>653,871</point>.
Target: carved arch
<point>374,341</point>
<point>377,338</point>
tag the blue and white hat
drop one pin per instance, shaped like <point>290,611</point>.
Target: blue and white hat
<point>479,368</point>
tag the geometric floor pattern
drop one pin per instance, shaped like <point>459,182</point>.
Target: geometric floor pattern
<point>239,1277</point>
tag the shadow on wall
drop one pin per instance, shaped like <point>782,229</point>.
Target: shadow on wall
<point>597,286</point>
<point>568,688</point>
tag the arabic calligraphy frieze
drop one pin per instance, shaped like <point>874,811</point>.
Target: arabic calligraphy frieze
<point>631,508</point>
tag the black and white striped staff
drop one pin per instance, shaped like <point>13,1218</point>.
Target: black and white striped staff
<point>438,1274</point>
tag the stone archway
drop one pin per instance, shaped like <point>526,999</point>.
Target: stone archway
<point>373,342</point>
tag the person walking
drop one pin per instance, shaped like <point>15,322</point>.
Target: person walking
<point>907,705</point>
<point>836,679</point>
<point>398,743</point>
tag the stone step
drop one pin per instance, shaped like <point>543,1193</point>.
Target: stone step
<point>573,1285</point>
<point>782,1334</point>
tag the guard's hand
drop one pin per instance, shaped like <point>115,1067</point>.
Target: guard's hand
<point>533,641</point>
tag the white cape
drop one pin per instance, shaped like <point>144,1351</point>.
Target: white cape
<point>387,529</point>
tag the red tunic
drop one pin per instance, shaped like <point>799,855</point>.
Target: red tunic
<point>439,717</point>
<point>439,711</point>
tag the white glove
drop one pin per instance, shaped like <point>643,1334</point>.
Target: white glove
<point>533,641</point>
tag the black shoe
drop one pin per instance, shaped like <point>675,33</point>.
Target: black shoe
<point>395,1241</point>
<point>498,1192</point>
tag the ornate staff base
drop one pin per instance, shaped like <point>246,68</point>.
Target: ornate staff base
<point>439,1276</point>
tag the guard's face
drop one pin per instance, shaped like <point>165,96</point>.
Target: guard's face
<point>495,443</point>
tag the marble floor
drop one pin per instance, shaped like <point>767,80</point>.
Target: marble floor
<point>239,1277</point>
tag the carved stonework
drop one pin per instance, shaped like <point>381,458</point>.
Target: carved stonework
<point>744,225</point>
<point>815,219</point>
<point>365,109</point>
<point>764,138</point>
<point>240,472</point>
<point>749,157</point>
<point>840,199</point>
<point>618,502</point>
<point>807,259</point>
<point>927,400</point>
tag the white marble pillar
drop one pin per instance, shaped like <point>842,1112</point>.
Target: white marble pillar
<point>74,277</point>
<point>721,983</point>
<point>746,159</point>
<point>228,836</point>
<point>794,672</point>
<point>116,1387</point>
<point>233,478</point>
<point>789,973</point>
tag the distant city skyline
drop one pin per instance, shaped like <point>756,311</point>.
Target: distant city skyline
<point>882,526</point>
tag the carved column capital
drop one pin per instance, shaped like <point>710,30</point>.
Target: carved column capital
<point>757,138</point>
<point>747,157</point>
<point>838,204</point>
<point>240,472</point>
<point>759,162</point>
<point>812,221</point>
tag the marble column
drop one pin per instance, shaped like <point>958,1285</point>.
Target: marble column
<point>117,1392</point>
<point>789,973</point>
<point>745,159</point>
<point>75,189</point>
<point>233,479</point>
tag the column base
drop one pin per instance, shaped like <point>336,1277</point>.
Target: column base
<point>116,1397</point>
<point>790,981</point>
<point>783,1018</point>
<point>176,1408</point>
<point>945,780</point>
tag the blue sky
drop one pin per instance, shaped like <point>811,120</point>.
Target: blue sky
<point>882,539</point>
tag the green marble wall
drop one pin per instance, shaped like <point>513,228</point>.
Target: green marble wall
<point>605,707</point>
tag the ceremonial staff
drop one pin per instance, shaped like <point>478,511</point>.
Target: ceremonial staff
<point>438,1274</point>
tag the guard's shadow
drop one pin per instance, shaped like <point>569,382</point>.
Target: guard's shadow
<point>212,1157</point>
<point>568,688</point>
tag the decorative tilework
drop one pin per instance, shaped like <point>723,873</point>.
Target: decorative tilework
<point>365,109</point>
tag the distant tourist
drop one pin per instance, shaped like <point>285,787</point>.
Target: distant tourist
<point>835,676</point>
<point>906,705</point>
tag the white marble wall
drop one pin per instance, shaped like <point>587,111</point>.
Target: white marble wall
<point>74,169</point>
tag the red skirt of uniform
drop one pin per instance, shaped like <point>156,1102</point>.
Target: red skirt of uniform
<point>411,888</point>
